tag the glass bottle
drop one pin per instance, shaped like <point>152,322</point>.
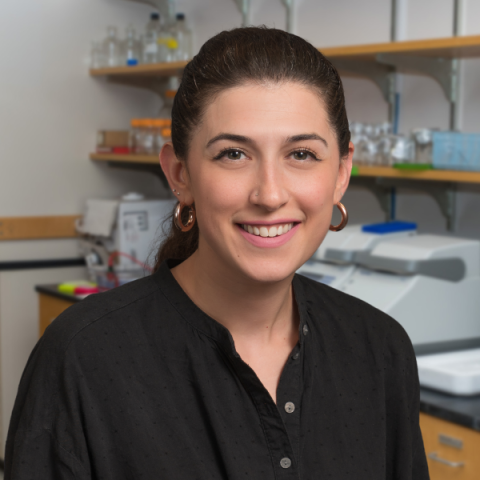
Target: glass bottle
<point>150,39</point>
<point>111,48</point>
<point>184,49</point>
<point>148,137</point>
<point>134,135</point>
<point>131,47</point>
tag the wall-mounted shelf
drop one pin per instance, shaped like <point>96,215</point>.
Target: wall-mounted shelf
<point>363,171</point>
<point>113,157</point>
<point>450,47</point>
<point>148,70</point>
<point>428,175</point>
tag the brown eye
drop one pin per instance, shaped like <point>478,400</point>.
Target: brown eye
<point>300,155</point>
<point>234,154</point>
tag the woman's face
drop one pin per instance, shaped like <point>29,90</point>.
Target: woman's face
<point>264,172</point>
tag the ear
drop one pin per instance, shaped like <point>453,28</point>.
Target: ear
<point>177,174</point>
<point>344,172</point>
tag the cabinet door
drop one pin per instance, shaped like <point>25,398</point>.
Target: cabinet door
<point>50,309</point>
<point>453,452</point>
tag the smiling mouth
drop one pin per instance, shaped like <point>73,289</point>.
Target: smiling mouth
<point>267,231</point>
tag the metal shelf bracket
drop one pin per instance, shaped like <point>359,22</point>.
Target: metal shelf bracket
<point>444,193</point>
<point>443,70</point>
<point>382,75</point>
<point>290,6</point>
<point>244,7</point>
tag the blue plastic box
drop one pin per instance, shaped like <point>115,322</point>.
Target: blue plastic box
<point>456,151</point>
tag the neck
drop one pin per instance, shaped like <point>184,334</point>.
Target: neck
<point>259,311</point>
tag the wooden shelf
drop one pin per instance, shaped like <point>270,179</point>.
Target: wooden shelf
<point>137,159</point>
<point>433,175</point>
<point>363,171</point>
<point>450,47</point>
<point>149,70</point>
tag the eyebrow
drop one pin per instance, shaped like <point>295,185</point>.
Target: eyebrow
<point>242,139</point>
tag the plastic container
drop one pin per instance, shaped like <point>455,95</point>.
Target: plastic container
<point>148,137</point>
<point>111,48</point>
<point>134,135</point>
<point>184,49</point>
<point>106,279</point>
<point>150,40</point>
<point>456,151</point>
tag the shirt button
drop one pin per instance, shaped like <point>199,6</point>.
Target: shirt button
<point>305,329</point>
<point>285,462</point>
<point>289,407</point>
<point>295,357</point>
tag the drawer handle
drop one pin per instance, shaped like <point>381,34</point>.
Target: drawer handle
<point>433,456</point>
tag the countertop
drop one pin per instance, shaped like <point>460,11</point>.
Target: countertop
<point>52,290</point>
<point>463,411</point>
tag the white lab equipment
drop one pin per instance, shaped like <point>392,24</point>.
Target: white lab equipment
<point>131,225</point>
<point>455,372</point>
<point>430,284</point>
<point>333,263</point>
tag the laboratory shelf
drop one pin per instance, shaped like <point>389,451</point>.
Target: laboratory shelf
<point>150,70</point>
<point>432,175</point>
<point>449,47</point>
<point>360,170</point>
<point>121,158</point>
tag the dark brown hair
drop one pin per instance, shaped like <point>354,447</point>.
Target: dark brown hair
<point>230,59</point>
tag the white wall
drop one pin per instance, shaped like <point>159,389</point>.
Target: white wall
<point>50,108</point>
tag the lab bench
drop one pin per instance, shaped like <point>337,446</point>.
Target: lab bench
<point>450,424</point>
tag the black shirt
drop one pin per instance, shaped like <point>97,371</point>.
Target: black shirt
<point>139,383</point>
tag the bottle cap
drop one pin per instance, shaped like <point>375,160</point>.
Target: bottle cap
<point>154,16</point>
<point>180,16</point>
<point>170,93</point>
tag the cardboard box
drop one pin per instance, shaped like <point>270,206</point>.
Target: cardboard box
<point>112,138</point>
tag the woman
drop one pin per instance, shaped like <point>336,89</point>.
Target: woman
<point>224,364</point>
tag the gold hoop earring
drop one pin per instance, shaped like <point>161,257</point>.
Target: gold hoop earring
<point>344,221</point>
<point>178,217</point>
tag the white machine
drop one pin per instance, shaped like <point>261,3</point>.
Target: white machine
<point>430,284</point>
<point>131,226</point>
<point>333,263</point>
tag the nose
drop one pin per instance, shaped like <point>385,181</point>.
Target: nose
<point>270,192</point>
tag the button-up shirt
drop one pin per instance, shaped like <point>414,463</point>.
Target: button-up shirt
<point>139,383</point>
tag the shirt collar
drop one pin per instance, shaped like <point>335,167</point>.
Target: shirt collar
<point>206,324</point>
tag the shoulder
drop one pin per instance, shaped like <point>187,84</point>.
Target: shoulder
<point>357,320</point>
<point>110,310</point>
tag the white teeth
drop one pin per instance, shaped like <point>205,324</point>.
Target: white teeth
<point>268,231</point>
<point>272,232</point>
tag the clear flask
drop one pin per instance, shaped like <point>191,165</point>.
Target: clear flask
<point>184,49</point>
<point>111,48</point>
<point>150,40</point>
<point>131,47</point>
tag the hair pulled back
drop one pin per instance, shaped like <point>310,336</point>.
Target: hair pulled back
<point>230,59</point>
